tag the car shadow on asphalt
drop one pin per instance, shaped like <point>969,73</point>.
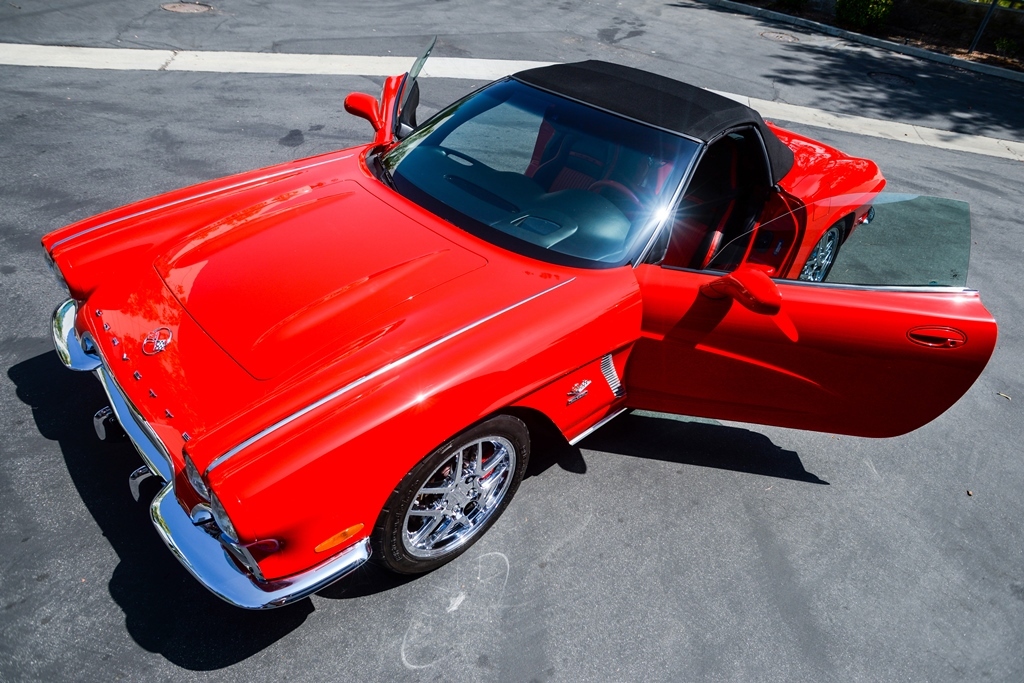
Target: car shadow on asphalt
<point>166,610</point>
<point>686,441</point>
<point>699,443</point>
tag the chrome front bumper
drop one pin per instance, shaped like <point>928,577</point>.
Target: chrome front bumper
<point>66,341</point>
<point>139,432</point>
<point>73,355</point>
<point>207,560</point>
<point>202,554</point>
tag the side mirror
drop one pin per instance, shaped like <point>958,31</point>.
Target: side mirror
<point>748,285</point>
<point>365,107</point>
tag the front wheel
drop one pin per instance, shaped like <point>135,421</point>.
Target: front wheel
<point>819,263</point>
<point>448,500</point>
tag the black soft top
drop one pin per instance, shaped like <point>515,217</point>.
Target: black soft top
<point>657,100</point>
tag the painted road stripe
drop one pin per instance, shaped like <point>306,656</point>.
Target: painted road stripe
<point>253,62</point>
<point>453,67</point>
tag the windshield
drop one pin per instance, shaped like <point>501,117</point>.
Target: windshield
<point>542,175</point>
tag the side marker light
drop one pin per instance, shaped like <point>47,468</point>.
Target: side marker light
<point>339,538</point>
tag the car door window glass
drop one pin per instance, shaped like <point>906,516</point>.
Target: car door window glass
<point>713,224</point>
<point>911,240</point>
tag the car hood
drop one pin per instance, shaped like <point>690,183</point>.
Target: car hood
<point>300,274</point>
<point>275,288</point>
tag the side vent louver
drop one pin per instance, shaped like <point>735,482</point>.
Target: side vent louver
<point>610,376</point>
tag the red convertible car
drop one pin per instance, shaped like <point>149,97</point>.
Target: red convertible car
<point>348,354</point>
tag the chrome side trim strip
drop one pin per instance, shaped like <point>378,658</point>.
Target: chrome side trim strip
<point>596,426</point>
<point>139,432</point>
<point>373,375</point>
<point>207,560</point>
<point>65,339</point>
<point>611,376</point>
<point>201,195</point>
<point>913,289</point>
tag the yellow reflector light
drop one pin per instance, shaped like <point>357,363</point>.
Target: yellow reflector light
<point>339,538</point>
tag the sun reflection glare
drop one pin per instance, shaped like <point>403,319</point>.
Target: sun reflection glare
<point>661,213</point>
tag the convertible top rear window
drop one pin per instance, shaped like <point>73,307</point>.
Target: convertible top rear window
<point>543,175</point>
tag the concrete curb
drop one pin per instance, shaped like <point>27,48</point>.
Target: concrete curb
<point>999,72</point>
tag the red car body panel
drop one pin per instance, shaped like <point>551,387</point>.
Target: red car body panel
<point>234,368</point>
<point>824,186</point>
<point>328,333</point>
<point>818,364</point>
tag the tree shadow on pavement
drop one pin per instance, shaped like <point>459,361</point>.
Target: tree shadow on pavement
<point>166,610</point>
<point>854,79</point>
<point>904,90</point>
<point>699,444</point>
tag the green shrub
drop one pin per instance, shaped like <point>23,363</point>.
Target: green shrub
<point>863,13</point>
<point>795,6</point>
<point>1006,47</point>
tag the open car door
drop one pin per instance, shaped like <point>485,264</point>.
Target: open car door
<point>861,359</point>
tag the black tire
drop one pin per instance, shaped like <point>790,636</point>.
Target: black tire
<point>444,505</point>
<point>823,256</point>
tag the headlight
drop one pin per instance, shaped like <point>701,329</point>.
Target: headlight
<point>52,265</point>
<point>196,479</point>
<point>221,517</point>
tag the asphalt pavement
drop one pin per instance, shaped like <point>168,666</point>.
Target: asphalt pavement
<point>660,548</point>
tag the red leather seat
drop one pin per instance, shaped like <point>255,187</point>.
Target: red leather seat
<point>701,219</point>
<point>578,162</point>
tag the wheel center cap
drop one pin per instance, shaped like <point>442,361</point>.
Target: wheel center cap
<point>463,493</point>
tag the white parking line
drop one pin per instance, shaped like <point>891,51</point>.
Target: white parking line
<point>253,62</point>
<point>454,67</point>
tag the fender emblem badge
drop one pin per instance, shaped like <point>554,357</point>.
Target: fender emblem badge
<point>578,391</point>
<point>156,341</point>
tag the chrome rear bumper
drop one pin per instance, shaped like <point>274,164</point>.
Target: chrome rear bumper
<point>207,560</point>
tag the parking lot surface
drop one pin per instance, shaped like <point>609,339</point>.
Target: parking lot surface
<point>660,548</point>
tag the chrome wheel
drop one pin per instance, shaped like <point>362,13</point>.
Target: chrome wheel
<point>452,496</point>
<point>819,263</point>
<point>458,498</point>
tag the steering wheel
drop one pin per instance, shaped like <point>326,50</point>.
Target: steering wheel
<point>618,187</point>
